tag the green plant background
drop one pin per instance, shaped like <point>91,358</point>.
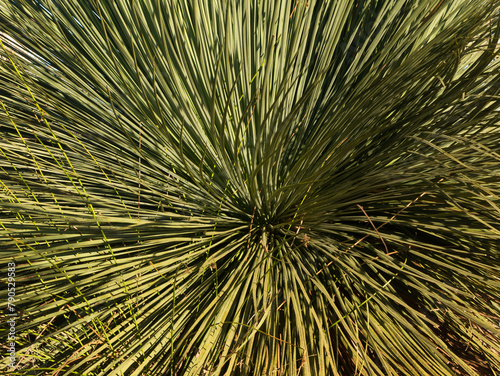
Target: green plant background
<point>251,187</point>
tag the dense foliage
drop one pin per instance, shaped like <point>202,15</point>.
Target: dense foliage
<point>250,187</point>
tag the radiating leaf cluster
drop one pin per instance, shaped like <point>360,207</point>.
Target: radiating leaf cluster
<point>251,187</point>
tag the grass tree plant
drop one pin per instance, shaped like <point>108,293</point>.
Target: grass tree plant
<point>246,187</point>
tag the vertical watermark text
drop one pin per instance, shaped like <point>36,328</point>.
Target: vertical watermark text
<point>11,313</point>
